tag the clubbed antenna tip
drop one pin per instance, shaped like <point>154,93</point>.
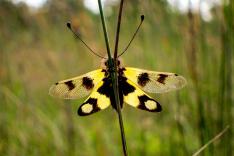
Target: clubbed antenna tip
<point>70,28</point>
<point>142,17</point>
<point>69,25</point>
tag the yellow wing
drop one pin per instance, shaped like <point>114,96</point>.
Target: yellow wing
<point>95,102</point>
<point>139,99</point>
<point>77,87</point>
<point>154,82</point>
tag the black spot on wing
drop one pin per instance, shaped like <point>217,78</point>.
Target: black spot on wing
<point>143,79</point>
<point>70,85</point>
<point>125,87</point>
<point>143,99</point>
<point>87,83</point>
<point>162,78</point>
<point>91,101</point>
<point>107,90</point>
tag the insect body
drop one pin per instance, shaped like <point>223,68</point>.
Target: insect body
<point>133,83</point>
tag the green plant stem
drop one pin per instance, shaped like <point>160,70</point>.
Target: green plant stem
<point>115,82</point>
<point>104,30</point>
<point>211,141</point>
<point>118,30</point>
<point>114,76</point>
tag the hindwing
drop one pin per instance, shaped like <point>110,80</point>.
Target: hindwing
<point>95,102</point>
<point>139,99</point>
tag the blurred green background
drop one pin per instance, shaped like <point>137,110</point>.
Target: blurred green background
<point>36,50</point>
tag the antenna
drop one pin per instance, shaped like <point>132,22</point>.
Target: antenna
<point>142,19</point>
<point>69,26</point>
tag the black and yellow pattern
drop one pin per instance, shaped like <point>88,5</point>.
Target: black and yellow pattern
<point>154,82</point>
<point>139,99</point>
<point>133,83</point>
<point>77,87</point>
<point>95,102</point>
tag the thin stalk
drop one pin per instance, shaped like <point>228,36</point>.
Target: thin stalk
<point>118,30</point>
<point>115,82</point>
<point>104,30</point>
<point>211,141</point>
<point>113,75</point>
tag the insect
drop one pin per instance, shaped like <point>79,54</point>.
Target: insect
<point>133,85</point>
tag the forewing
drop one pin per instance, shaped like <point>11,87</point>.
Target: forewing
<point>77,87</point>
<point>154,82</point>
<point>95,102</point>
<point>139,99</point>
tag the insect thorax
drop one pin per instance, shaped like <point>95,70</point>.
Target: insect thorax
<point>108,68</point>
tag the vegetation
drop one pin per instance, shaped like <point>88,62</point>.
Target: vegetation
<point>38,50</point>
